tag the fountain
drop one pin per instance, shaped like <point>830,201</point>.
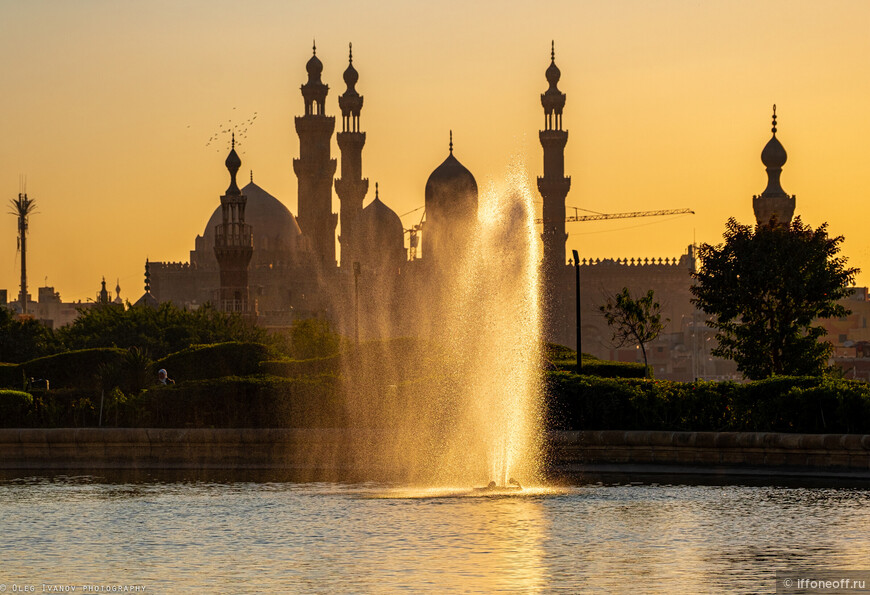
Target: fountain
<point>461,405</point>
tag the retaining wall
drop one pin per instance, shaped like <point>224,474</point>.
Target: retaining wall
<point>570,452</point>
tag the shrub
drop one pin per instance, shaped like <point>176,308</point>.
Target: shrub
<point>608,369</point>
<point>16,409</point>
<point>214,361</point>
<point>301,367</point>
<point>73,369</point>
<point>10,376</point>
<point>779,404</point>
<point>241,402</point>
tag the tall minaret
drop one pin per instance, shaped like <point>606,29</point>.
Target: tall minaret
<point>774,202</point>
<point>351,187</point>
<point>233,243</point>
<point>553,186</point>
<point>314,168</point>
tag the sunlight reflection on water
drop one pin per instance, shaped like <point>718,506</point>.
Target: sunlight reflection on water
<point>270,537</point>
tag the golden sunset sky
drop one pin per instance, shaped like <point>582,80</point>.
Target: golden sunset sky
<point>107,108</point>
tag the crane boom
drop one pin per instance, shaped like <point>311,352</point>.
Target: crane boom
<point>629,215</point>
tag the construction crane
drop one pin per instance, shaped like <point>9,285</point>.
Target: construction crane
<point>414,237</point>
<point>629,215</point>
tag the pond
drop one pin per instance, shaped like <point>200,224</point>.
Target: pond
<point>172,535</point>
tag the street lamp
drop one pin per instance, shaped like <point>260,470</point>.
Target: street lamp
<point>356,270</point>
<point>577,278</point>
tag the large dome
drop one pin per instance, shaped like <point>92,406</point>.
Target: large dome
<point>274,227</point>
<point>451,189</point>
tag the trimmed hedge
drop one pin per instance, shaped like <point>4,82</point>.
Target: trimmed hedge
<point>16,407</point>
<point>200,362</point>
<point>10,376</point>
<point>240,402</point>
<point>781,404</point>
<point>302,367</point>
<point>72,369</point>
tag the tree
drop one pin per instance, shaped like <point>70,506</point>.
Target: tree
<point>765,287</point>
<point>634,321</point>
<point>22,339</point>
<point>160,331</point>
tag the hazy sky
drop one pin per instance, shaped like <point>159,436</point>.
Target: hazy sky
<point>107,108</point>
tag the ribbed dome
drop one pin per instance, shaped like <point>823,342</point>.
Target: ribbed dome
<point>274,227</point>
<point>773,155</point>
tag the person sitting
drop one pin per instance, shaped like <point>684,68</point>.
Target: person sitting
<point>163,377</point>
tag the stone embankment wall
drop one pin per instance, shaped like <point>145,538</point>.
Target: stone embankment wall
<point>571,453</point>
<point>801,454</point>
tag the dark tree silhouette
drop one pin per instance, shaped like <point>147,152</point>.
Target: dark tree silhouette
<point>634,321</point>
<point>765,287</point>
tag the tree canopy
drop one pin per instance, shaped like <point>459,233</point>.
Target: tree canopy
<point>634,321</point>
<point>160,331</point>
<point>765,287</point>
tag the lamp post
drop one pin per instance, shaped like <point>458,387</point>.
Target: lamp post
<point>356,270</point>
<point>577,283</point>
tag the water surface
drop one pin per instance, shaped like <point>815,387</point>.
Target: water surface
<point>252,537</point>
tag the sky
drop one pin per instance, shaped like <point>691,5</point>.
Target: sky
<point>107,110</point>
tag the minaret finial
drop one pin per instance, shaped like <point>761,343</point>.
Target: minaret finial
<point>252,176</point>
<point>553,50</point>
<point>376,191</point>
<point>314,46</point>
<point>350,52</point>
<point>234,140</point>
<point>774,119</point>
<point>451,142</point>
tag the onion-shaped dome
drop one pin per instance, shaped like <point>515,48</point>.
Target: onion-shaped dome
<point>351,76</point>
<point>451,189</point>
<point>773,155</point>
<point>233,163</point>
<point>314,66</point>
<point>553,72</point>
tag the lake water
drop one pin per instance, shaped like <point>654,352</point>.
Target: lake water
<point>269,537</point>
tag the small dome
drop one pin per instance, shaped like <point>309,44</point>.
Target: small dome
<point>553,74</point>
<point>383,220</point>
<point>314,67</point>
<point>233,161</point>
<point>351,76</point>
<point>773,155</point>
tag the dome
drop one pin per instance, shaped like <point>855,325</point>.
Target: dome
<point>383,220</point>
<point>274,227</point>
<point>773,155</point>
<point>553,74</point>
<point>451,186</point>
<point>382,235</point>
<point>314,67</point>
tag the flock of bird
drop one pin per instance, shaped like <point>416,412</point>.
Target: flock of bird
<point>239,130</point>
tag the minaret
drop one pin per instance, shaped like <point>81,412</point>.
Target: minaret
<point>233,243</point>
<point>553,186</point>
<point>773,202</point>
<point>314,168</point>
<point>351,187</point>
